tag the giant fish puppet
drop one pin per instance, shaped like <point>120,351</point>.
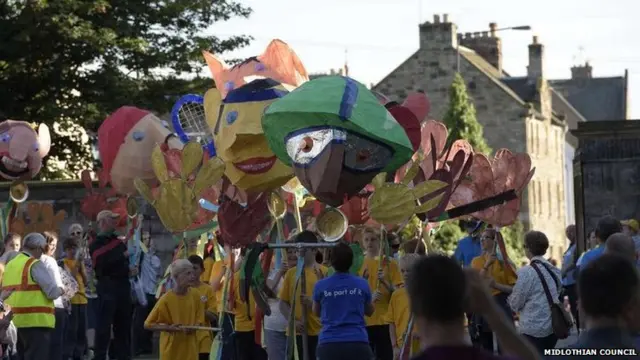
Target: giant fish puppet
<point>337,136</point>
<point>22,149</point>
<point>126,140</point>
<point>234,109</point>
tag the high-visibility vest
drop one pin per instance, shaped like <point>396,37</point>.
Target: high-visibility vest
<point>29,304</point>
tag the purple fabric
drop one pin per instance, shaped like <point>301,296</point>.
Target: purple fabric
<point>458,353</point>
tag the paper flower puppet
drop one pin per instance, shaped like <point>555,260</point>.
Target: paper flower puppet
<point>102,198</point>
<point>185,177</point>
<point>39,217</point>
<point>22,149</point>
<point>125,141</point>
<point>336,135</point>
<point>234,108</point>
<point>506,171</point>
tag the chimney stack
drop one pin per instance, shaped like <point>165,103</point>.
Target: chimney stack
<point>583,72</point>
<point>485,44</point>
<point>439,34</point>
<point>535,70</point>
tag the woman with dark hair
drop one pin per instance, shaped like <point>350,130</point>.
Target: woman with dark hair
<point>342,301</point>
<point>529,298</point>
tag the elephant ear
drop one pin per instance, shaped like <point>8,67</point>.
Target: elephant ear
<point>44,140</point>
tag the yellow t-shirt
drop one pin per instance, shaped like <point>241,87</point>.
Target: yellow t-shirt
<point>498,271</point>
<point>286,294</point>
<point>399,315</point>
<point>392,276</point>
<point>174,309</point>
<point>80,298</point>
<point>208,265</point>
<point>208,300</point>
<point>216,270</point>
<point>244,320</point>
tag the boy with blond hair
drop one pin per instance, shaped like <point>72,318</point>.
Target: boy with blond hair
<point>399,313</point>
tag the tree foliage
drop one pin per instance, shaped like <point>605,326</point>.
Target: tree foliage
<point>514,240</point>
<point>460,120</point>
<point>445,238</point>
<point>69,63</point>
<point>460,117</point>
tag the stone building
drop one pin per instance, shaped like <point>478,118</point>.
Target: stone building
<point>524,114</point>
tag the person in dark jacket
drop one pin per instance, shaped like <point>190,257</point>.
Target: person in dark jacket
<point>110,261</point>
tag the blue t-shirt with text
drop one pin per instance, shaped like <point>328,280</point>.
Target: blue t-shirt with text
<point>342,298</point>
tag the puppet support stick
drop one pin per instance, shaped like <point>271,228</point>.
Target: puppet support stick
<point>282,253</point>
<point>406,339</point>
<point>195,327</point>
<point>305,321</point>
<point>301,245</point>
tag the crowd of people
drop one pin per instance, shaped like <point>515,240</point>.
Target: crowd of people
<point>81,302</point>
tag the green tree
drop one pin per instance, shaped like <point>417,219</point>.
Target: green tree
<point>514,240</point>
<point>447,237</point>
<point>460,117</point>
<point>69,63</point>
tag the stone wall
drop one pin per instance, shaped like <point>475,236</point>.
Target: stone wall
<point>546,192</point>
<point>507,121</point>
<point>67,196</point>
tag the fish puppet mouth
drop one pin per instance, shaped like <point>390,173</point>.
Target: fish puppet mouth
<point>334,163</point>
<point>255,166</point>
<point>13,169</point>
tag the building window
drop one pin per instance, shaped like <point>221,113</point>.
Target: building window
<point>539,202</point>
<point>550,195</point>
<point>560,200</point>
<point>536,139</point>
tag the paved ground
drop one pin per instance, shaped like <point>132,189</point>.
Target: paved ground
<point>562,343</point>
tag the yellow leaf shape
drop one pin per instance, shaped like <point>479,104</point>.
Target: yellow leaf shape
<point>428,187</point>
<point>209,175</point>
<point>429,204</point>
<point>411,173</point>
<point>158,164</point>
<point>144,190</point>
<point>378,181</point>
<point>191,158</point>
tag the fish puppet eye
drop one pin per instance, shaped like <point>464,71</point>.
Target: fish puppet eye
<point>232,116</point>
<point>304,147</point>
<point>5,137</point>
<point>138,135</point>
<point>36,147</point>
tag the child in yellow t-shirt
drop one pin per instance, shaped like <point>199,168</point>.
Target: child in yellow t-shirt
<point>208,299</point>
<point>313,272</point>
<point>383,281</point>
<point>399,314</point>
<point>180,306</point>
<point>76,332</point>
<point>245,335</point>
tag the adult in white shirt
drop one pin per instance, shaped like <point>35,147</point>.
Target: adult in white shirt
<point>150,274</point>
<point>529,297</point>
<point>49,261</point>
<point>275,325</point>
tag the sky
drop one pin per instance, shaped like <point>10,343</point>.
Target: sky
<point>375,36</point>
